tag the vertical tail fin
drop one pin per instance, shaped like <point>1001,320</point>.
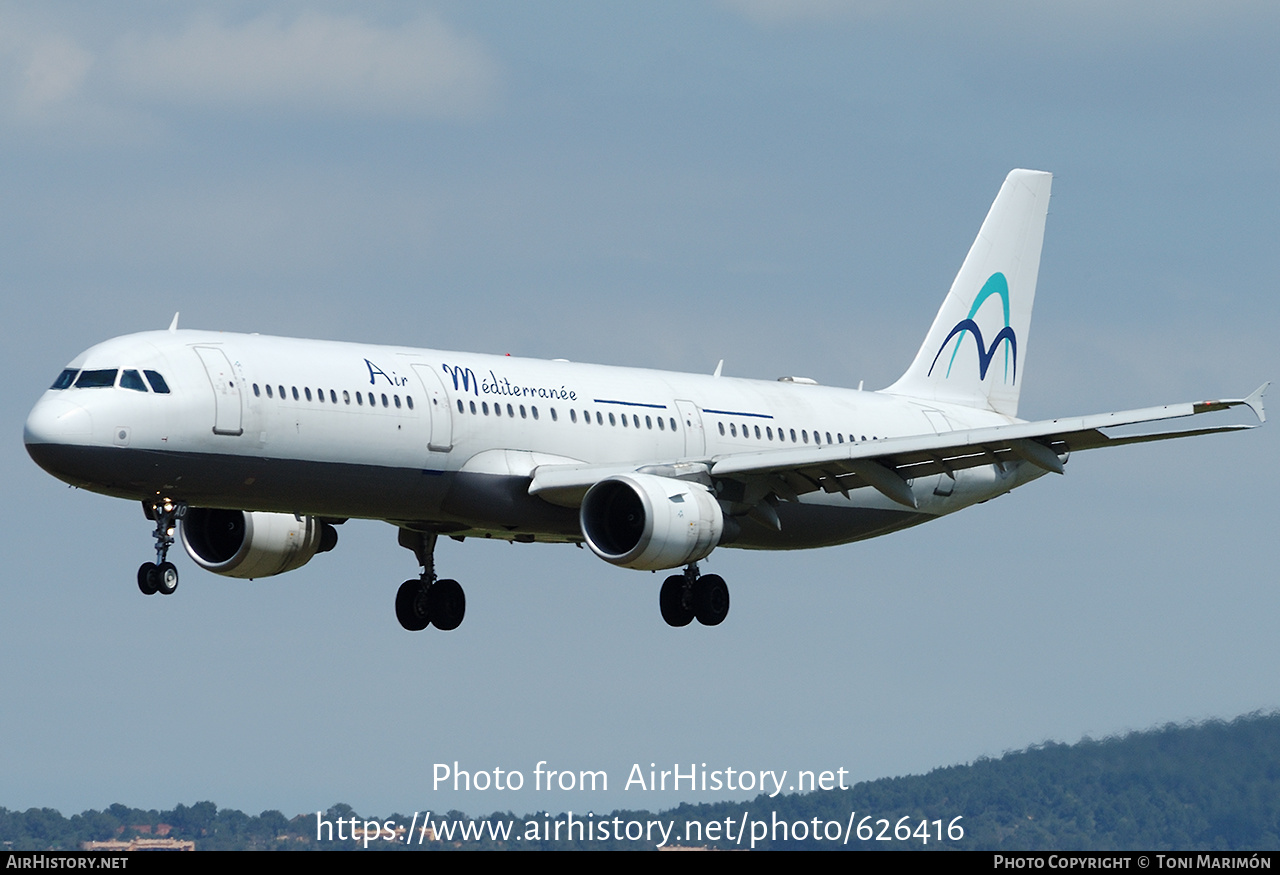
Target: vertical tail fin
<point>974,352</point>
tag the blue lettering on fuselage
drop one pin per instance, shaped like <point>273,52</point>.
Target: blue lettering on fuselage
<point>465,380</point>
<point>393,379</point>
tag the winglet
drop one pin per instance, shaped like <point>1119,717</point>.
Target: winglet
<point>719,368</point>
<point>1254,402</point>
<point>173,326</point>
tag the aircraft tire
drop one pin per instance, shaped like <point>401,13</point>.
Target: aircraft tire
<point>710,599</point>
<point>671,602</point>
<point>147,578</point>
<point>166,577</point>
<point>448,604</point>
<point>412,605</point>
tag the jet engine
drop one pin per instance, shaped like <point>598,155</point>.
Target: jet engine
<point>648,522</point>
<point>250,544</point>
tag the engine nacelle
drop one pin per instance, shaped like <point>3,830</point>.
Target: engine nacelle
<point>649,522</point>
<point>239,543</point>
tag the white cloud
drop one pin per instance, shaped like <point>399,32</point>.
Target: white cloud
<point>314,62</point>
<point>52,69</point>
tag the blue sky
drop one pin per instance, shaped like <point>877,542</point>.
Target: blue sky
<point>787,186</point>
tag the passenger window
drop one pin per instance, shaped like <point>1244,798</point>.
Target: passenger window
<point>256,393</point>
<point>408,399</point>
<point>346,397</point>
<point>624,420</point>
<point>295,392</point>
<point>573,415</point>
<point>131,379</point>
<point>554,418</point>
<point>673,423</point>
<point>307,391</point>
<point>733,430</point>
<point>534,411</point>
<point>484,407</point>
<point>648,422</point>
<point>96,379</point>
<point>360,399</point>
<point>599,418</point>
<point>320,395</point>
<point>662,426</point>
<point>460,410</point>
<point>612,420</point>
<point>511,412</point>
<point>65,379</point>
<point>269,395</point>
<point>523,415</point>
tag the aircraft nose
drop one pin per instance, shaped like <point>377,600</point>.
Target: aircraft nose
<point>56,421</point>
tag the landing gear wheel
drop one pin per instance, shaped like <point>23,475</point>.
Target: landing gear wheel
<point>448,604</point>
<point>166,576</point>
<point>671,601</point>
<point>412,605</point>
<point>710,599</point>
<point>148,579</point>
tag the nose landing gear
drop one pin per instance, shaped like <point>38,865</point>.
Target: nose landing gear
<point>693,595</point>
<point>161,576</point>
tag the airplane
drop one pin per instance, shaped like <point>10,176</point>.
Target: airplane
<point>260,446</point>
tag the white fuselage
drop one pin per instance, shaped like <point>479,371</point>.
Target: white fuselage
<point>450,441</point>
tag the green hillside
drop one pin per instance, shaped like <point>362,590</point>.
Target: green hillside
<point>1210,786</point>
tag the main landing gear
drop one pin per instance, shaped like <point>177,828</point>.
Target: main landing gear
<point>689,595</point>
<point>161,576</point>
<point>427,601</point>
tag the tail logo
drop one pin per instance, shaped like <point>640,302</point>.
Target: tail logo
<point>996,284</point>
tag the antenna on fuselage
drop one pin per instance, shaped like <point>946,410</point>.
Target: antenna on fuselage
<point>719,368</point>
<point>173,326</point>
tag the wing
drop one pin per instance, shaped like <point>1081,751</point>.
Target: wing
<point>888,464</point>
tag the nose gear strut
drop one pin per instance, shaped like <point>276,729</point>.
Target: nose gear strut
<point>161,576</point>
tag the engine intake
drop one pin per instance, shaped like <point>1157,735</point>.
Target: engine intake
<point>239,543</point>
<point>650,523</point>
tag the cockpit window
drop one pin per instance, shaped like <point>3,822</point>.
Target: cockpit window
<point>132,380</point>
<point>158,385</point>
<point>96,379</point>
<point>65,379</point>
